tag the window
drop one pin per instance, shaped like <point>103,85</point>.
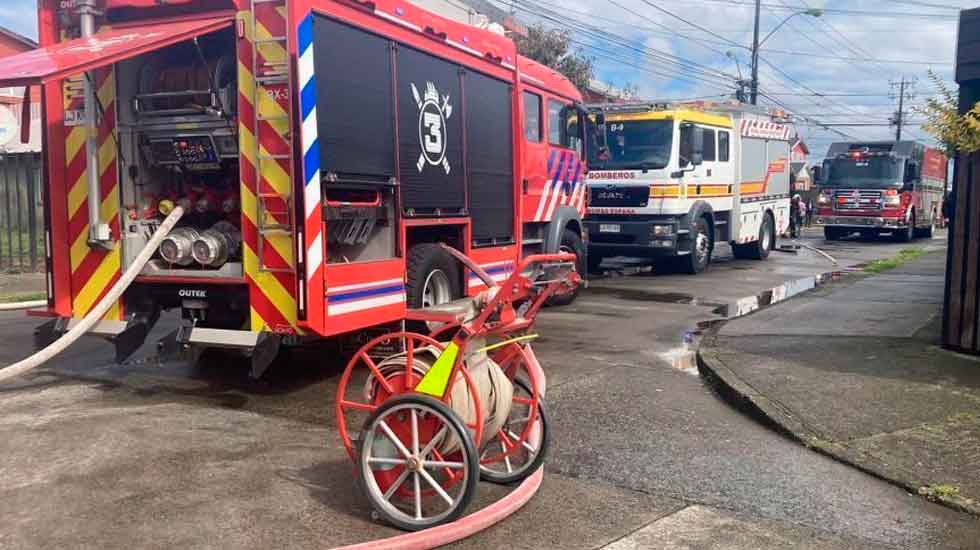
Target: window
<point>563,126</point>
<point>723,139</point>
<point>709,146</point>
<point>532,117</point>
<point>555,122</point>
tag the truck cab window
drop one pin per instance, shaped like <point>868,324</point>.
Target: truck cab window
<point>532,117</point>
<point>723,146</point>
<point>710,150</point>
<point>572,129</point>
<point>555,123</point>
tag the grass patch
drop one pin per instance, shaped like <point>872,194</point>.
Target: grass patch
<point>940,491</point>
<point>904,255</point>
<point>24,297</point>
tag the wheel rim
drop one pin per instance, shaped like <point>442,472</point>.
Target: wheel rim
<point>403,469</point>
<point>437,289</point>
<point>701,246</point>
<point>519,441</point>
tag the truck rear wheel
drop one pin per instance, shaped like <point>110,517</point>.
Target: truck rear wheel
<point>760,249</point>
<point>700,248</point>
<point>832,233</point>
<point>433,276</point>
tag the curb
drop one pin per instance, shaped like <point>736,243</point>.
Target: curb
<point>460,529</point>
<point>712,366</point>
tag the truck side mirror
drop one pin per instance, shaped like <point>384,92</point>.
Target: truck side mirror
<point>697,159</point>
<point>817,172</point>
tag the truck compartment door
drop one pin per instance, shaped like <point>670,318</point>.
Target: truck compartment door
<point>106,47</point>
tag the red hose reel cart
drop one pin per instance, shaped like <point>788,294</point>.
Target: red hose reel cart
<point>437,412</point>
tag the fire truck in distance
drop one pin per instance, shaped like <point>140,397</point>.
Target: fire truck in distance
<point>669,181</point>
<point>881,187</point>
<point>320,148</point>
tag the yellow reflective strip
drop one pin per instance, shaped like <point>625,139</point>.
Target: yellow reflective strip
<point>74,143</point>
<point>79,249</point>
<point>269,107</point>
<point>272,52</point>
<point>99,280</point>
<point>107,93</point>
<point>274,174</point>
<point>107,156</point>
<point>436,381</point>
<point>499,345</point>
<point>246,83</point>
<point>258,324</point>
<point>76,196</point>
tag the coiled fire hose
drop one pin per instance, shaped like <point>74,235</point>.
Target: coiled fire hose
<point>100,309</point>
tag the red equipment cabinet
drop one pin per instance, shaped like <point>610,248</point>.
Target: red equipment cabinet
<point>306,268</point>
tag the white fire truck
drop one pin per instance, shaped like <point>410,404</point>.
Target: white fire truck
<point>669,181</point>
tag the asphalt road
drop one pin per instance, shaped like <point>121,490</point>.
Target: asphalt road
<point>644,453</point>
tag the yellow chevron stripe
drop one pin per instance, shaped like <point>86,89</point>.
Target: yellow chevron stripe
<point>79,248</point>
<point>107,156</point>
<point>107,92</point>
<point>74,143</point>
<point>272,52</point>
<point>269,107</point>
<point>283,244</point>
<point>273,290</point>
<point>76,196</point>
<point>86,297</point>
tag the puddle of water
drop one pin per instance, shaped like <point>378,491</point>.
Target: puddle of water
<point>684,357</point>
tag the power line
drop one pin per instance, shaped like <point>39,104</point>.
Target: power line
<point>841,11</point>
<point>858,59</point>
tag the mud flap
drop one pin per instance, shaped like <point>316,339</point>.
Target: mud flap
<point>265,352</point>
<point>46,334</point>
<point>132,338</point>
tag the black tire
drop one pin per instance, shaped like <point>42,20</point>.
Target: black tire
<point>760,249</point>
<point>693,262</point>
<point>423,260</point>
<point>527,469</point>
<point>571,242</point>
<point>832,234</point>
<point>907,234</point>
<point>926,232</point>
<point>461,433</point>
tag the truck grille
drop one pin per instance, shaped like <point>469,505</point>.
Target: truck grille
<point>853,199</point>
<point>616,195</point>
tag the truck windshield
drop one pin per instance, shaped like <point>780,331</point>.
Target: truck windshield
<point>864,172</point>
<point>634,145</point>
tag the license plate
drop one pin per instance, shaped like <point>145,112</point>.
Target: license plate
<point>609,228</point>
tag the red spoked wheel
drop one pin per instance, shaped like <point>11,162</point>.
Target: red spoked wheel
<point>518,448</point>
<point>403,473</point>
<point>369,383</point>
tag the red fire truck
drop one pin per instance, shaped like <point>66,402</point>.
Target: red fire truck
<point>320,148</point>
<point>881,187</point>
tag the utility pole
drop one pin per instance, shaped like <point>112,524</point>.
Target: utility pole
<point>899,119</point>
<point>755,54</point>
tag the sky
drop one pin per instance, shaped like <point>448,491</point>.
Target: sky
<point>833,69</point>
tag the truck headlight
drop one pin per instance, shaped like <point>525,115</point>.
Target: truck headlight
<point>893,201</point>
<point>663,230</point>
<point>823,200</point>
<point>176,247</point>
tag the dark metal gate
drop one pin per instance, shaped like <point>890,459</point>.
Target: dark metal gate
<point>21,213</point>
<point>961,316</point>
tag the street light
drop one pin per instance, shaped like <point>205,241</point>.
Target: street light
<point>756,43</point>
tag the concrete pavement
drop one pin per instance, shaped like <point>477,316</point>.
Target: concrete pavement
<point>854,371</point>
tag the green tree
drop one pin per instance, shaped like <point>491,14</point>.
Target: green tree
<point>956,133</point>
<point>554,49</point>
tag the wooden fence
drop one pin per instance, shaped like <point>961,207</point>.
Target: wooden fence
<point>961,315</point>
<point>21,213</point>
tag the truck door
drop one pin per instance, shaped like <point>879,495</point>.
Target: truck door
<point>536,163</point>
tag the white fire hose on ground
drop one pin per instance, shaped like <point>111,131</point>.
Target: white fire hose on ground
<point>16,306</point>
<point>100,309</point>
